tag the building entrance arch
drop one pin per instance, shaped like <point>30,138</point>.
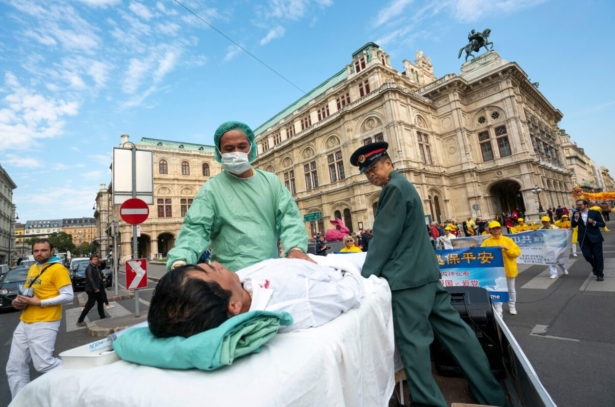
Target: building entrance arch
<point>166,242</point>
<point>506,196</point>
<point>144,245</point>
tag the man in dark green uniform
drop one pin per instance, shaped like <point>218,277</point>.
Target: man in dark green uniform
<point>401,252</point>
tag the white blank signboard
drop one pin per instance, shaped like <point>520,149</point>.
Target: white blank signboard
<point>122,175</point>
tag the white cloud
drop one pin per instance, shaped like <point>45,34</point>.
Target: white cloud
<point>473,10</point>
<point>168,28</point>
<point>29,116</point>
<point>162,8</point>
<point>141,10</point>
<point>100,3</point>
<point>43,203</point>
<point>137,68</point>
<point>166,63</point>
<point>93,175</point>
<point>274,33</point>
<point>231,52</point>
<point>102,159</point>
<point>22,162</point>
<point>393,10</point>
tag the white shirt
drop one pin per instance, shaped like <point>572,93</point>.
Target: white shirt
<point>584,216</point>
<point>313,294</point>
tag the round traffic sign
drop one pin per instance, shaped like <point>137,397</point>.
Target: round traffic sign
<point>475,207</point>
<point>134,211</point>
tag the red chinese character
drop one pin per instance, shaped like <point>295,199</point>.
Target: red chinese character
<point>465,283</point>
<point>474,283</point>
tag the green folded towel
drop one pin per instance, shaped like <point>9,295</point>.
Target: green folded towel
<point>209,350</point>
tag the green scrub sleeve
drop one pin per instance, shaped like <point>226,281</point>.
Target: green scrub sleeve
<point>195,234</point>
<point>289,222</point>
<point>388,228</point>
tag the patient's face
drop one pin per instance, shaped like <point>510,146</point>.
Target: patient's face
<point>221,275</point>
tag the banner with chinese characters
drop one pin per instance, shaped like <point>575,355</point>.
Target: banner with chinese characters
<point>477,267</point>
<point>537,246</point>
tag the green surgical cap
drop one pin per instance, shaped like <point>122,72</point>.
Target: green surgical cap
<point>228,126</point>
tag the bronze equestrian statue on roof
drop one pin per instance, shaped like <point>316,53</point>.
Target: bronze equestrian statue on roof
<point>477,41</point>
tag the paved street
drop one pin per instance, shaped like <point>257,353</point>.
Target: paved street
<point>573,358</point>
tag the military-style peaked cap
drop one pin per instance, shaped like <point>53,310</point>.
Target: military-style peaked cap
<point>364,157</point>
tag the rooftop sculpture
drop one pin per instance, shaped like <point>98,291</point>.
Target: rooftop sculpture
<point>477,41</point>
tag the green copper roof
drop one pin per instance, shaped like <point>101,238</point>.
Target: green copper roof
<point>317,91</point>
<point>175,144</point>
<point>364,47</point>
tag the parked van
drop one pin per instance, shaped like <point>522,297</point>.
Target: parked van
<point>4,268</point>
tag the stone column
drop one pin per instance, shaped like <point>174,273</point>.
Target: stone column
<point>154,249</point>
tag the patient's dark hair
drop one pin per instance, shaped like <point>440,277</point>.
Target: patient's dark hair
<point>183,305</point>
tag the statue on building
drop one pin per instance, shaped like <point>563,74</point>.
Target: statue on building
<point>477,41</point>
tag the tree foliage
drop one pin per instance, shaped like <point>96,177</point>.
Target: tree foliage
<point>62,242</point>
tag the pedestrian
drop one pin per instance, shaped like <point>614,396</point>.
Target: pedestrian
<point>550,214</point>
<point>400,253</point>
<point>606,210</point>
<point>546,225</point>
<point>590,238</point>
<point>349,246</point>
<point>93,290</point>
<point>321,247</point>
<point>448,236</point>
<point>510,252</point>
<point>47,287</point>
<point>559,212</point>
<point>242,212</point>
<point>365,240</point>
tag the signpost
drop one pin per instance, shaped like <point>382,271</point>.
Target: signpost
<point>132,210</point>
<point>476,207</point>
<point>136,274</point>
<point>312,217</point>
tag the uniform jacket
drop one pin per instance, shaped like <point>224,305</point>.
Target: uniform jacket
<point>400,250</point>
<point>587,231</point>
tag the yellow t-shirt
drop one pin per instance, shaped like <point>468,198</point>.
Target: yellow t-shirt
<point>353,249</point>
<point>509,256</point>
<point>45,287</point>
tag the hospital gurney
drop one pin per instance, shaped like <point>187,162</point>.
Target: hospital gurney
<point>346,362</point>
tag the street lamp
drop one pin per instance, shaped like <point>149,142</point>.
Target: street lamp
<point>537,190</point>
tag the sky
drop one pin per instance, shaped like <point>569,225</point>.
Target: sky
<point>75,75</point>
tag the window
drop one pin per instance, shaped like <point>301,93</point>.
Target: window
<point>364,88</point>
<point>336,166</point>
<point>482,120</point>
<point>181,146</point>
<point>383,58</point>
<point>206,170</point>
<point>567,151</point>
<point>323,112</point>
<point>495,115</point>
<point>185,168</point>
<point>290,131</point>
<point>265,145</point>
<point>485,146</point>
<point>306,122</point>
<point>185,205</point>
<point>360,64</point>
<point>342,100</point>
<point>568,161</point>
<point>348,219</point>
<point>379,137</point>
<point>163,167</point>
<point>277,138</point>
<point>424,148</point>
<point>164,208</point>
<point>367,141</point>
<point>311,177</point>
<point>289,181</point>
<point>159,144</point>
<point>502,139</point>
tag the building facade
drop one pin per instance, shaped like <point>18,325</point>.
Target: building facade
<point>42,228</point>
<point>21,248</point>
<point>581,167</point>
<point>482,139</point>
<point>7,215</point>
<point>180,169</point>
<point>83,230</point>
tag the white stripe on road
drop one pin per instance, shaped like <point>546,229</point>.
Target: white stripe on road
<point>142,301</point>
<point>134,211</point>
<point>543,280</point>
<point>117,311</point>
<point>72,315</point>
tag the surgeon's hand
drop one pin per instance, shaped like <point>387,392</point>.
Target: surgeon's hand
<point>298,254</point>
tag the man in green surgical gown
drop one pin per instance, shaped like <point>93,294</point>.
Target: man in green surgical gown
<point>240,213</point>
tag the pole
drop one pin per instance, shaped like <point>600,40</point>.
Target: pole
<point>135,243</point>
<point>115,254</point>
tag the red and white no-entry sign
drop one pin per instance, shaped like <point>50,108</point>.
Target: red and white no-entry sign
<point>134,211</point>
<point>136,274</point>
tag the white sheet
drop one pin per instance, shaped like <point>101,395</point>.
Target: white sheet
<point>347,362</point>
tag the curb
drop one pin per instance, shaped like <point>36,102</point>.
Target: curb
<point>83,298</point>
<point>102,332</point>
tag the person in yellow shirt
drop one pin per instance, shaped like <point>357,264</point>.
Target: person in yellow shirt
<point>564,223</point>
<point>519,227</point>
<point>349,246</point>
<point>47,287</point>
<point>510,252</point>
<point>470,225</point>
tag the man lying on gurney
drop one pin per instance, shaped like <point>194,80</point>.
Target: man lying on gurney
<point>196,298</point>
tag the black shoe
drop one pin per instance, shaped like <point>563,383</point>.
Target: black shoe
<point>103,317</point>
<point>81,324</point>
<point>600,278</point>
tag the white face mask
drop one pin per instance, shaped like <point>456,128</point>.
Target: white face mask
<point>236,162</point>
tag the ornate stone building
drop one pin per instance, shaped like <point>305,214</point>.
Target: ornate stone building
<point>180,169</point>
<point>7,215</point>
<point>484,137</point>
<point>580,165</point>
<point>82,230</point>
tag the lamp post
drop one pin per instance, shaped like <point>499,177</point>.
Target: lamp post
<point>537,190</point>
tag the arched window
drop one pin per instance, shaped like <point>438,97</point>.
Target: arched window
<point>337,215</point>
<point>163,167</point>
<point>181,146</point>
<point>159,144</point>
<point>436,202</point>
<point>348,219</point>
<point>185,168</point>
<point>206,170</point>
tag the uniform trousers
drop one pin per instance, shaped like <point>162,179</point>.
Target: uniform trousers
<point>512,295</point>
<point>93,298</point>
<point>420,312</point>
<point>553,268</point>
<point>592,251</point>
<point>31,342</point>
